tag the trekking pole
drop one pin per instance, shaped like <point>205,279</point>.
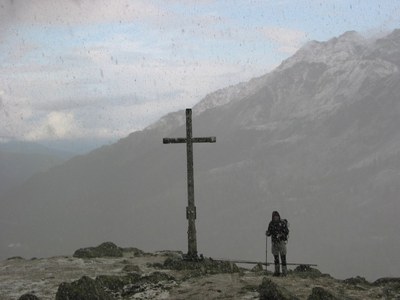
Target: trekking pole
<point>266,254</point>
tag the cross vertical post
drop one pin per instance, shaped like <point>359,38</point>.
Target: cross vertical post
<point>191,208</point>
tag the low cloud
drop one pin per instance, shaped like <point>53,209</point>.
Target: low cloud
<point>56,125</point>
<point>108,123</point>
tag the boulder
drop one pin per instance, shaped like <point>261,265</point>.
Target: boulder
<point>131,268</point>
<point>318,293</point>
<point>257,268</point>
<point>271,291</point>
<point>28,296</point>
<point>16,258</point>
<point>134,251</point>
<point>356,280</point>
<point>157,280</point>
<point>386,281</point>
<point>82,289</point>
<point>116,283</point>
<point>156,277</point>
<point>170,253</point>
<point>307,271</point>
<point>107,249</point>
<point>390,287</point>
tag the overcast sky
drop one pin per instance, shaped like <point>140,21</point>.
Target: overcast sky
<point>73,69</point>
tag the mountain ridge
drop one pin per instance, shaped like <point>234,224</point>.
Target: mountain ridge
<point>20,160</point>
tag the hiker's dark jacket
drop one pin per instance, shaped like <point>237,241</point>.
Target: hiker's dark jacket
<point>278,231</point>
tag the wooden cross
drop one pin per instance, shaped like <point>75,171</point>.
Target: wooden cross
<point>191,208</point>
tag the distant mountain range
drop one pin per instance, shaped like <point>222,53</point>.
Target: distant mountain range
<point>317,139</point>
<point>20,160</point>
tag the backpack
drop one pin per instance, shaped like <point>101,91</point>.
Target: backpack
<point>285,221</point>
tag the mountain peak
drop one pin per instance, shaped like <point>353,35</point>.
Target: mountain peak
<point>395,34</point>
<point>347,46</point>
<point>351,36</point>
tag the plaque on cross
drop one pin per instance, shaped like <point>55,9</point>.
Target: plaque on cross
<point>191,208</point>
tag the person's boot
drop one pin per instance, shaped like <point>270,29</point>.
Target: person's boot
<point>277,271</point>
<point>277,266</point>
<point>284,271</point>
<point>284,268</point>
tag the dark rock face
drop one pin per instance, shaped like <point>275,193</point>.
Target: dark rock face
<point>206,266</point>
<point>319,293</point>
<point>28,297</point>
<point>82,289</point>
<point>270,291</point>
<point>107,249</point>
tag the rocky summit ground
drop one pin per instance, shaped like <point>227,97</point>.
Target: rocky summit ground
<point>110,272</point>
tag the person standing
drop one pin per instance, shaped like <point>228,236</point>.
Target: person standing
<point>278,231</point>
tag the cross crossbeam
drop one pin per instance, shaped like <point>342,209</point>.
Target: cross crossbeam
<point>194,140</point>
<point>191,208</point>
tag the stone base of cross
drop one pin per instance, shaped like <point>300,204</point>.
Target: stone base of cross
<point>191,208</point>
